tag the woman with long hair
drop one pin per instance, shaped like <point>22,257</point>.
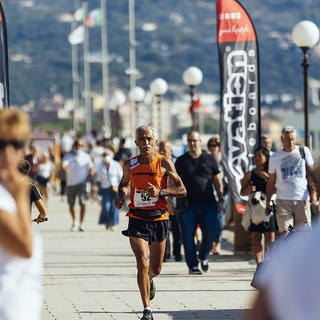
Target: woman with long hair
<point>254,181</point>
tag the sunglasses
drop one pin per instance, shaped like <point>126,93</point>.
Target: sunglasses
<point>79,145</point>
<point>213,145</point>
<point>17,144</point>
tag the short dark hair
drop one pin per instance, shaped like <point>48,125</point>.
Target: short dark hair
<point>24,167</point>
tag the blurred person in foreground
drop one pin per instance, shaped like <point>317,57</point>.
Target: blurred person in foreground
<point>79,168</point>
<point>108,177</point>
<point>289,283</point>
<point>147,175</point>
<point>21,264</point>
<point>289,178</point>
<point>201,176</point>
<point>165,148</point>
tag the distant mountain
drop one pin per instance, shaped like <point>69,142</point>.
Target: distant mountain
<point>171,35</point>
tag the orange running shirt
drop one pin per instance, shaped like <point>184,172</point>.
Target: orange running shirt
<point>140,175</point>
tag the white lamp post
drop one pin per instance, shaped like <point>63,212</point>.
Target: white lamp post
<point>158,88</point>
<point>136,96</point>
<point>305,35</point>
<point>192,77</point>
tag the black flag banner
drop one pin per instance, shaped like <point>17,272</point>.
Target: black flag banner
<point>4,74</point>
<point>240,93</point>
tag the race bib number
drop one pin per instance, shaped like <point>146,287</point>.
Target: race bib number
<point>143,199</point>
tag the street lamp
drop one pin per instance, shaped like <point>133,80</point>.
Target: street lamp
<point>192,77</point>
<point>136,96</point>
<point>305,35</point>
<point>158,88</point>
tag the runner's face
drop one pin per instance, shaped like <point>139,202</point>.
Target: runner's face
<point>146,141</point>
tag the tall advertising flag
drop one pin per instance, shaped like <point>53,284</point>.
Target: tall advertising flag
<point>4,72</point>
<point>240,94</point>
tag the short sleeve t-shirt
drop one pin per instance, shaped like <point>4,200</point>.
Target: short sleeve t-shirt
<point>290,169</point>
<point>78,166</point>
<point>196,174</point>
<point>35,194</point>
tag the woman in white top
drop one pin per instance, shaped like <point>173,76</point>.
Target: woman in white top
<point>20,250</point>
<point>109,175</point>
<point>44,175</point>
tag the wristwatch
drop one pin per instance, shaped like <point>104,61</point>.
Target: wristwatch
<point>162,192</point>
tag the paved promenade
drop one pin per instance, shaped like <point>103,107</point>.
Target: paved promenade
<point>92,275</point>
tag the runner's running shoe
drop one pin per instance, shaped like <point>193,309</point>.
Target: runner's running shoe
<point>147,315</point>
<point>153,290</point>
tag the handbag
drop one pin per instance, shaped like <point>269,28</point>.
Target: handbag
<point>257,205</point>
<point>246,219</point>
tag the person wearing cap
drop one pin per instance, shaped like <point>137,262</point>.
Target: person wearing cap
<point>289,179</point>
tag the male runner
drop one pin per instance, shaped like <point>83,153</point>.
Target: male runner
<point>147,175</point>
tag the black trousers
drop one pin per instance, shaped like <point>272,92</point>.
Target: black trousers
<point>176,235</point>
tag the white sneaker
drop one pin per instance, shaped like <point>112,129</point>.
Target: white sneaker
<point>74,227</point>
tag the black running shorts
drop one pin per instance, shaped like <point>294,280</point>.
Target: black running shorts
<point>151,231</point>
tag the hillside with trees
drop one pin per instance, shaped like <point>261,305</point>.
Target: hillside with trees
<point>183,33</point>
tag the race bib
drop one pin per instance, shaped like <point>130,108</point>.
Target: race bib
<point>143,199</point>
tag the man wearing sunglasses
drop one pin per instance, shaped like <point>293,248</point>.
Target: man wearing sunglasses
<point>79,168</point>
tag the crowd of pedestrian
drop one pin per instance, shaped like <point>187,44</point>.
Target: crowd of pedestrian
<point>176,203</point>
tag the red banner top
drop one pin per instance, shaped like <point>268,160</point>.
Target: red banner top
<point>234,24</point>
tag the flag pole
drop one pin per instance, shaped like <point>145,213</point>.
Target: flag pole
<point>87,87</point>
<point>105,68</point>
<point>75,74</point>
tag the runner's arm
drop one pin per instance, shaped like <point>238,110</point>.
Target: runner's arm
<point>178,189</point>
<point>217,182</point>
<point>246,186</point>
<point>123,186</point>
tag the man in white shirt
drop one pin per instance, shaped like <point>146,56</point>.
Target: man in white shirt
<point>288,179</point>
<point>79,167</point>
